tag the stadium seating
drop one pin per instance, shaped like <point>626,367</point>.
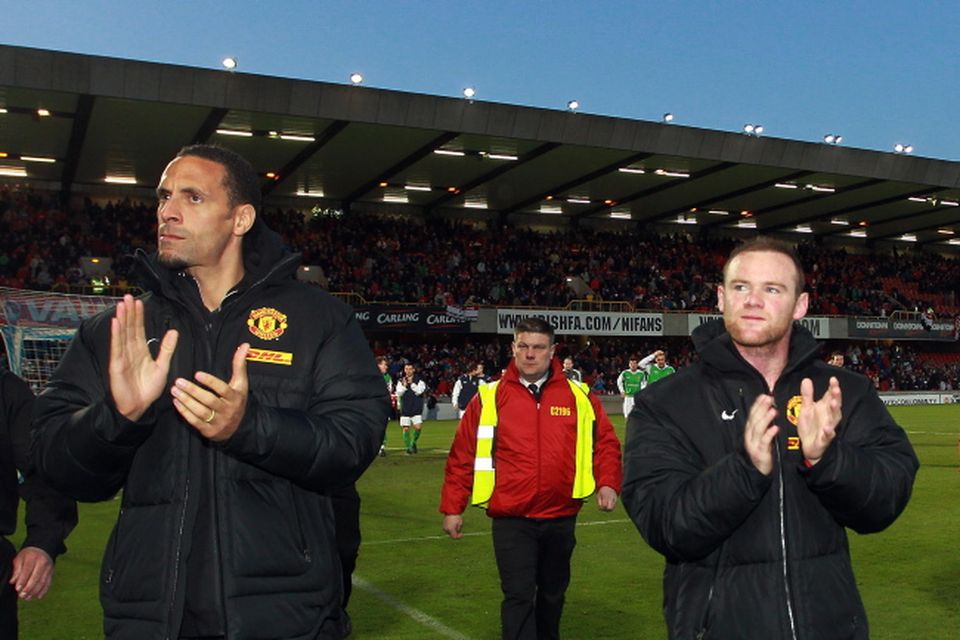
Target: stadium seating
<point>389,259</point>
<point>442,262</point>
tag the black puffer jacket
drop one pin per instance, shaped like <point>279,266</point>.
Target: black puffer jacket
<point>50,516</point>
<point>314,420</point>
<point>748,555</point>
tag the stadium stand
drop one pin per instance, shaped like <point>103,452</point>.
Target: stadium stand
<point>441,262</point>
<point>389,259</point>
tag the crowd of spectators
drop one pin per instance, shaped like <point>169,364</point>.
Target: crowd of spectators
<point>896,367</point>
<point>41,243</point>
<point>879,283</point>
<point>902,367</point>
<point>447,262</point>
<point>388,259</point>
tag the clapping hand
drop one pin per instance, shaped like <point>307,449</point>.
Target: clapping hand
<point>136,379</point>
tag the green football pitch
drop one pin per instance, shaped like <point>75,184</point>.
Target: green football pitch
<point>413,582</point>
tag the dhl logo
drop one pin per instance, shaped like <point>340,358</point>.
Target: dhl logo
<point>270,357</point>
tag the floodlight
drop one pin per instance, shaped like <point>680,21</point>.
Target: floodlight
<point>573,105</point>
<point>469,92</point>
<point>356,78</point>
<point>668,117</point>
<point>229,63</point>
<point>239,133</point>
<point>296,137</point>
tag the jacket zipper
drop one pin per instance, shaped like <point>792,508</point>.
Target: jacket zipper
<point>186,490</point>
<point>298,521</point>
<point>210,340</point>
<point>783,542</point>
<point>178,549</point>
<point>782,523</point>
<point>793,363</point>
<point>782,514</point>
<point>113,551</point>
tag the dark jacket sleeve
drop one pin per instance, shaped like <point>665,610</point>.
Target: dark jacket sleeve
<point>338,436</point>
<point>866,474</point>
<point>683,507</point>
<point>84,447</point>
<point>50,516</point>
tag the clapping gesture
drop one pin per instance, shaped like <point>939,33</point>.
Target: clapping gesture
<point>136,379</point>
<point>212,406</point>
<point>818,420</point>
<point>759,433</point>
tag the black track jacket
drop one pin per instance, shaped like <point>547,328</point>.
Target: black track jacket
<point>754,556</point>
<point>314,420</point>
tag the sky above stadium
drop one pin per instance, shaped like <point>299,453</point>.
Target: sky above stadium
<point>877,73</point>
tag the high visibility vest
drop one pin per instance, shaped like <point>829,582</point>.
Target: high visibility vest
<point>484,468</point>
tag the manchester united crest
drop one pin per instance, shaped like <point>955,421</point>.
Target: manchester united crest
<point>267,323</point>
<point>793,409</point>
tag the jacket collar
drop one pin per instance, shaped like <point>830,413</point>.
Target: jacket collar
<point>265,259</point>
<point>716,348</point>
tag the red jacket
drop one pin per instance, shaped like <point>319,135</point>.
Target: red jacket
<point>533,451</point>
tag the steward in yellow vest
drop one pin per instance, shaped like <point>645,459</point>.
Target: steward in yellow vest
<point>484,470</point>
<point>529,450</point>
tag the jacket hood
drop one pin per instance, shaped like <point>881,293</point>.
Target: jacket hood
<point>263,252</point>
<point>716,347</point>
<point>263,249</point>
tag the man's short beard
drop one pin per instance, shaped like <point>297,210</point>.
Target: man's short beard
<point>175,263</point>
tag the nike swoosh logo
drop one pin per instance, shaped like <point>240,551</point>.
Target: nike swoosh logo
<point>728,416</point>
<point>152,340</point>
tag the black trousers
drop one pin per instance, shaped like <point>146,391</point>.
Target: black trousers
<point>533,557</point>
<point>8,595</point>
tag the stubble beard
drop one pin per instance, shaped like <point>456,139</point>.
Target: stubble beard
<point>175,263</point>
<point>769,338</point>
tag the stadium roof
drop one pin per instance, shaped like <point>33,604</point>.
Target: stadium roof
<point>352,147</point>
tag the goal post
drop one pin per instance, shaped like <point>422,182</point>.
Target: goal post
<point>37,327</point>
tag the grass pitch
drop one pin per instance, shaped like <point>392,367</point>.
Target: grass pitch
<point>412,582</point>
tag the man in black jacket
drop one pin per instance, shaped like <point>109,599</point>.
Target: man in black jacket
<point>467,386</point>
<point>226,403</point>
<point>747,485</point>
<point>26,574</point>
